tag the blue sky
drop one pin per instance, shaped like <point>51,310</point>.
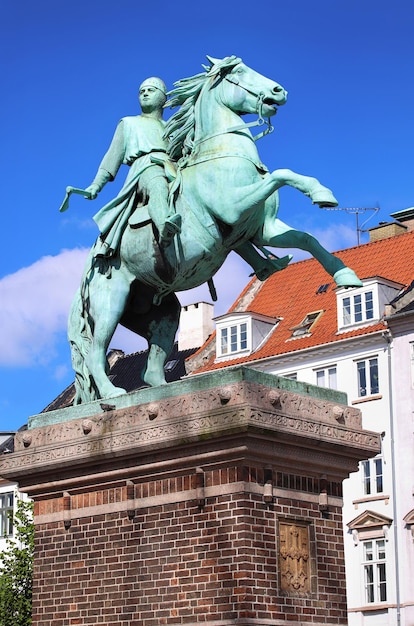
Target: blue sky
<point>71,69</point>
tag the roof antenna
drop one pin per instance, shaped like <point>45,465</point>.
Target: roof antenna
<point>357,212</point>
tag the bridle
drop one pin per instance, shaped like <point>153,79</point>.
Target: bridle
<point>259,109</point>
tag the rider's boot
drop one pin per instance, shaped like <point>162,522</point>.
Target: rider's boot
<point>172,227</point>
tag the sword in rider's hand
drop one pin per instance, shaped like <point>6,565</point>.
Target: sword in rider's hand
<point>69,190</point>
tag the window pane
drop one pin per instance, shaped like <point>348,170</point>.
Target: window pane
<point>6,508</point>
<point>233,339</point>
<point>346,311</point>
<point>243,336</point>
<point>332,377</point>
<point>320,378</point>
<point>381,549</point>
<point>378,475</point>
<point>358,308</point>
<point>369,306</point>
<point>367,477</point>
<point>369,582</point>
<point>382,583</point>
<point>362,379</point>
<point>373,375</point>
<point>224,341</point>
<point>368,553</point>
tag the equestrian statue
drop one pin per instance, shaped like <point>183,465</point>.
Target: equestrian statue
<point>195,191</point>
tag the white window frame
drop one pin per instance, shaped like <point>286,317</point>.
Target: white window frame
<point>358,308</point>
<point>372,473</point>
<point>374,561</point>
<point>369,367</point>
<point>6,507</point>
<point>233,339</point>
<point>327,377</point>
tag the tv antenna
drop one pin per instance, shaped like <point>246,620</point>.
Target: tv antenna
<point>357,212</point>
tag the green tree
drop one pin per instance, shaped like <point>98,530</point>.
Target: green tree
<point>16,570</point>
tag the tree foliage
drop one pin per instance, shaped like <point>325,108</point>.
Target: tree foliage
<point>16,570</point>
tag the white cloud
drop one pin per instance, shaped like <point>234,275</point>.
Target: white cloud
<point>35,302</point>
<point>336,237</point>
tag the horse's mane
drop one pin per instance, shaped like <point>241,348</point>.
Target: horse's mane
<point>179,130</point>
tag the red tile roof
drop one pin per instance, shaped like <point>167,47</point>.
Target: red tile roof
<point>292,293</point>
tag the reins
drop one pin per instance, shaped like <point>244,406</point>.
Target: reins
<point>259,109</point>
<point>259,122</point>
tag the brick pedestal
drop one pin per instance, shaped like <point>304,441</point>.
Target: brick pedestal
<point>215,500</point>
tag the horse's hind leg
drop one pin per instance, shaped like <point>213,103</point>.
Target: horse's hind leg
<point>158,324</point>
<point>160,332</point>
<point>106,301</point>
<point>276,233</point>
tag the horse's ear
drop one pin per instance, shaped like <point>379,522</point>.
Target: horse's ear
<point>212,60</point>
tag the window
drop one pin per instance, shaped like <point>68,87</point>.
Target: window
<point>306,324</point>
<point>169,366</point>
<point>292,376</point>
<point>322,288</point>
<point>367,373</point>
<point>241,333</point>
<point>358,308</point>
<point>326,377</point>
<point>6,508</point>
<point>374,570</point>
<point>233,338</point>
<point>372,477</point>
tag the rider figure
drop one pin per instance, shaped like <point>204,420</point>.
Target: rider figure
<point>139,143</point>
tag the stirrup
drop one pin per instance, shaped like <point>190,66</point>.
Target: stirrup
<point>171,228</point>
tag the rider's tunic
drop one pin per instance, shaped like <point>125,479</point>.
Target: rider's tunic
<point>137,142</point>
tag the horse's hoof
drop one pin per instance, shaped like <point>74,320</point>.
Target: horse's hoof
<point>273,265</point>
<point>114,393</point>
<point>346,278</point>
<point>324,198</point>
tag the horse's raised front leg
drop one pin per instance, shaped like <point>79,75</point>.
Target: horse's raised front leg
<point>276,233</point>
<point>310,186</point>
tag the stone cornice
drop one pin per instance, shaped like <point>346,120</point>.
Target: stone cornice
<point>247,409</point>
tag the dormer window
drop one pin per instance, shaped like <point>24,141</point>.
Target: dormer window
<point>365,305</point>
<point>233,339</point>
<point>240,334</point>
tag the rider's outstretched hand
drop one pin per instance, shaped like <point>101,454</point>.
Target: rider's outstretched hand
<point>93,191</point>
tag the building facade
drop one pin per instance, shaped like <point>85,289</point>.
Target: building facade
<point>360,341</point>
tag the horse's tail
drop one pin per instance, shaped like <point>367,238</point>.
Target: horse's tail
<point>80,335</point>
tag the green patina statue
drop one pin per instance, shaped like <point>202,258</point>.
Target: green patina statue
<point>196,190</point>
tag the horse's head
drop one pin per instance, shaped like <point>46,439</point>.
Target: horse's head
<point>243,90</point>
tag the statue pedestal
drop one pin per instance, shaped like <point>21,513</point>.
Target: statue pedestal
<point>215,500</point>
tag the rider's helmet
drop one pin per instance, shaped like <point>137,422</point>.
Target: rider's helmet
<point>155,82</point>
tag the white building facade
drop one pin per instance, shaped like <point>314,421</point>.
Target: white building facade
<point>369,356</point>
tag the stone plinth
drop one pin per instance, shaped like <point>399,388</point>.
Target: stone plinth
<point>215,500</point>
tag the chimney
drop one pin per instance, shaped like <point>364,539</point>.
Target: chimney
<point>196,325</point>
<point>384,230</point>
<point>405,217</point>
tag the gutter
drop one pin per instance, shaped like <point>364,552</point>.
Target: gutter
<point>388,338</point>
